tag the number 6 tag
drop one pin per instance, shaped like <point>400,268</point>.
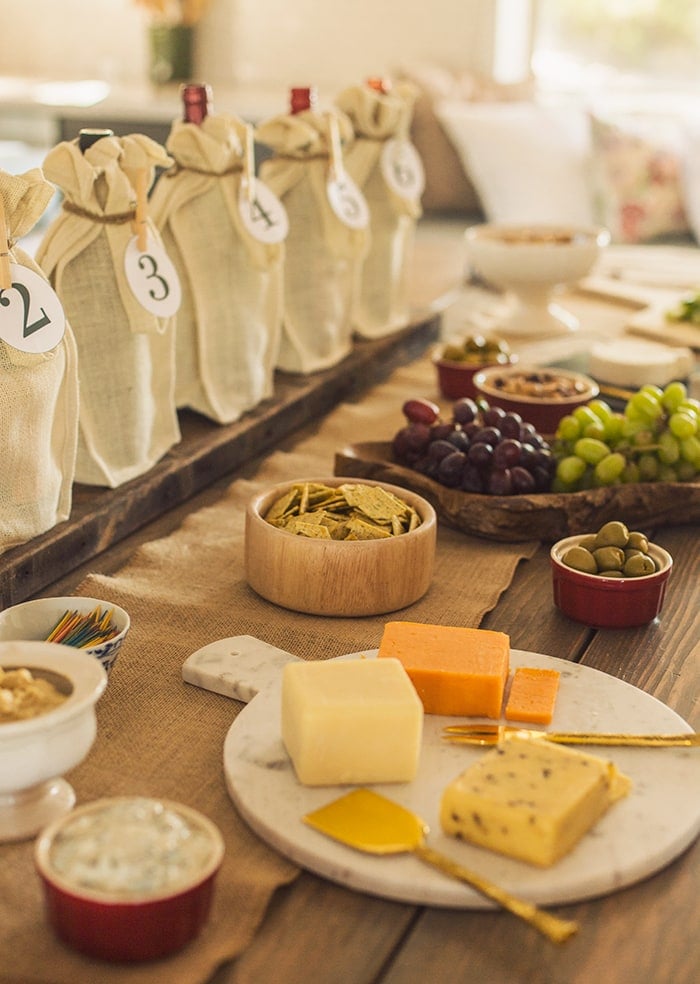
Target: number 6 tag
<point>152,278</point>
<point>31,316</point>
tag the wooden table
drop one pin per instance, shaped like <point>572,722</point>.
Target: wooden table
<point>317,931</point>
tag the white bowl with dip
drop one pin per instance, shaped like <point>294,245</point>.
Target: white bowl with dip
<point>37,750</point>
<point>129,878</point>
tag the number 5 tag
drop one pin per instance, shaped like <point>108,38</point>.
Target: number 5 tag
<point>152,278</point>
<point>31,316</point>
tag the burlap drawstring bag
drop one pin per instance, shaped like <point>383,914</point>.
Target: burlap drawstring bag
<point>323,253</point>
<point>128,419</point>
<point>387,168</point>
<point>229,321</point>
<point>38,395</point>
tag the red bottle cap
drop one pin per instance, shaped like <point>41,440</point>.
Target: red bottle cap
<point>196,101</point>
<point>302,98</point>
<point>379,84</point>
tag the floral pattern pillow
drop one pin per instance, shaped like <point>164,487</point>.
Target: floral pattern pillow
<point>637,182</point>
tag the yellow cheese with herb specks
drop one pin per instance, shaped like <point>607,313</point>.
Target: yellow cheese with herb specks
<point>530,799</point>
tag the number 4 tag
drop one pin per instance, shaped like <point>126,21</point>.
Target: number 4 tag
<point>31,316</point>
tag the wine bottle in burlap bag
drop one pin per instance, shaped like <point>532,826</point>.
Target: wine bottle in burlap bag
<point>327,237</point>
<point>105,259</point>
<point>386,166</point>
<point>38,376</point>
<point>224,232</point>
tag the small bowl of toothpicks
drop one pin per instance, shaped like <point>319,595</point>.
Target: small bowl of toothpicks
<point>97,627</point>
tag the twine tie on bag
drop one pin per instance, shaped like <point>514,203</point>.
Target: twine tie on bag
<point>115,218</point>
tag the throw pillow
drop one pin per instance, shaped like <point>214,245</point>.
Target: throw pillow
<point>529,163</point>
<point>637,178</point>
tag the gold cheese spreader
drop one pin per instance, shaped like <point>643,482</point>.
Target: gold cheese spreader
<point>493,734</point>
<point>370,822</point>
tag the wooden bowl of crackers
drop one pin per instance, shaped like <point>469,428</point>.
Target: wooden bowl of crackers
<point>339,546</point>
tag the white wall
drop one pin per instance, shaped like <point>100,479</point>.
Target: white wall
<point>329,43</point>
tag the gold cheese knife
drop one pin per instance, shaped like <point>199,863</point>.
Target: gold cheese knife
<point>494,734</point>
<point>374,824</point>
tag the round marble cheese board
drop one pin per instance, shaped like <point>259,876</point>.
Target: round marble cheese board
<point>638,836</point>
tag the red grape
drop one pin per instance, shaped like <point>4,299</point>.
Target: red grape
<point>420,411</point>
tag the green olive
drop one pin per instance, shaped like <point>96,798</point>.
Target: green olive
<point>632,552</point>
<point>638,541</point>
<point>611,574</point>
<point>609,558</point>
<point>588,542</point>
<point>639,566</point>
<point>581,560</point>
<point>612,534</point>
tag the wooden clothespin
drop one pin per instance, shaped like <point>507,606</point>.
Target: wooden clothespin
<point>337,166</point>
<point>5,272</point>
<point>140,222</point>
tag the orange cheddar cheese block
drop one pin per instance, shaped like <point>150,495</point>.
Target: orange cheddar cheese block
<point>533,694</point>
<point>456,671</point>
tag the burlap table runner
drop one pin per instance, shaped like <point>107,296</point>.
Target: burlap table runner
<point>160,737</point>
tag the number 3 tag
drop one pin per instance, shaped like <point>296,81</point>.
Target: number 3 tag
<point>31,316</point>
<point>152,278</point>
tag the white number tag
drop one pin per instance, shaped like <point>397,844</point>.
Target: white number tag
<point>31,316</point>
<point>402,168</point>
<point>152,278</point>
<point>348,202</point>
<point>263,214</point>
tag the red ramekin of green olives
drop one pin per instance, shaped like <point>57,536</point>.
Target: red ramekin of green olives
<point>613,578</point>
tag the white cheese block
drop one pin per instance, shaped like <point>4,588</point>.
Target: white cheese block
<point>530,799</point>
<point>633,362</point>
<point>351,721</point>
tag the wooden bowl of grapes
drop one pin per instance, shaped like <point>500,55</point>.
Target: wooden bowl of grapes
<point>489,473</point>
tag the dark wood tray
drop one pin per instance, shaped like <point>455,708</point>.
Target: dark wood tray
<point>545,516</point>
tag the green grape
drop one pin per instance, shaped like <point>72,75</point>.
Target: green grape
<point>653,390</point>
<point>630,426</point>
<point>570,470</point>
<point>631,473</point>
<point>613,429</point>
<point>674,393</point>
<point>596,431</point>
<point>609,469</point>
<point>642,438</point>
<point>648,465</point>
<point>568,428</point>
<point>669,449</point>
<point>690,450</point>
<point>601,409</point>
<point>584,415</point>
<point>667,474</point>
<point>645,405</point>
<point>590,450</point>
<point>690,404</point>
<point>686,471</point>
<point>682,424</point>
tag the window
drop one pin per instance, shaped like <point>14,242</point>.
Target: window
<point>589,46</point>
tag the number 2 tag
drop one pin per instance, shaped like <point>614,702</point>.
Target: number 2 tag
<point>31,316</point>
<point>152,278</point>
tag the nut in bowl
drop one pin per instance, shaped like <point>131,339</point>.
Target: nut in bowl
<point>379,568</point>
<point>129,878</point>
<point>601,596</point>
<point>530,262</point>
<point>458,361</point>
<point>35,620</point>
<point>47,727</point>
<point>542,396</point>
